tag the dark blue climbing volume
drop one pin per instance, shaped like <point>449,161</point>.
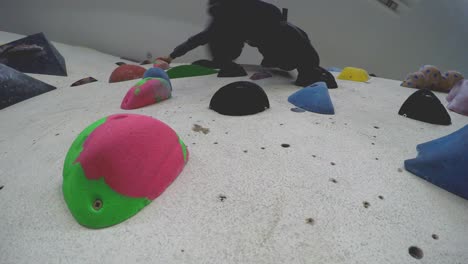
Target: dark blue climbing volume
<point>16,86</point>
<point>33,54</point>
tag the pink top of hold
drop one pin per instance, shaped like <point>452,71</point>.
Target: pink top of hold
<point>138,156</point>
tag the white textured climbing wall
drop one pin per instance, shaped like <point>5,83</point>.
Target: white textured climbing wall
<point>276,187</point>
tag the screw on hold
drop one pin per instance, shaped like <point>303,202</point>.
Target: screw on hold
<point>97,204</point>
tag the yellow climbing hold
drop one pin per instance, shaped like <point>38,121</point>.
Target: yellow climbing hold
<point>354,74</point>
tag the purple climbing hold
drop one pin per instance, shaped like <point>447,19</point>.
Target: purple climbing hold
<point>261,75</point>
<point>458,98</point>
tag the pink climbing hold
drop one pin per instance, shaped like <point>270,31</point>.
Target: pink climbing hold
<point>127,72</point>
<point>458,98</point>
<point>148,91</point>
<point>137,149</point>
<point>161,64</point>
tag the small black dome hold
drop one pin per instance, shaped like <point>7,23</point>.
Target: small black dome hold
<point>240,99</point>
<point>424,106</point>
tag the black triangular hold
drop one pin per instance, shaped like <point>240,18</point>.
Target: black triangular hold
<point>16,86</point>
<point>33,54</point>
<point>240,99</point>
<point>84,81</point>
<point>232,70</point>
<point>424,106</point>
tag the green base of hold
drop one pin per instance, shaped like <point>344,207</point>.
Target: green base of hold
<point>184,71</point>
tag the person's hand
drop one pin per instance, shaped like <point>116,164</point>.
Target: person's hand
<point>167,59</point>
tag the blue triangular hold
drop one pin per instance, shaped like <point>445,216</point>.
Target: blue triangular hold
<point>444,162</point>
<point>314,98</point>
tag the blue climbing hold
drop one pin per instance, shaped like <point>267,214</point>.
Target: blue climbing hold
<point>444,162</point>
<point>334,69</point>
<point>157,73</point>
<point>314,98</point>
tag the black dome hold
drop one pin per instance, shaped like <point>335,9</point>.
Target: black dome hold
<point>240,99</point>
<point>424,106</point>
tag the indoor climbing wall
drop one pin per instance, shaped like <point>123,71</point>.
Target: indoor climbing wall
<point>248,181</point>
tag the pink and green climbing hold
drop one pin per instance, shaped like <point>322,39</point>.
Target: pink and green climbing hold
<point>117,166</point>
<point>148,91</point>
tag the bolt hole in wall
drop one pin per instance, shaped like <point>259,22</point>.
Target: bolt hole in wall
<point>416,252</point>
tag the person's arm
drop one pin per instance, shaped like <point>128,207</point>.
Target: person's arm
<point>193,42</point>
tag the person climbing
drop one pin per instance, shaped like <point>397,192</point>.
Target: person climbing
<point>263,26</point>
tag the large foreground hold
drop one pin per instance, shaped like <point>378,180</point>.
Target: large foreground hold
<point>117,166</point>
<point>16,87</point>
<point>33,54</point>
<point>444,162</point>
<point>240,99</point>
<point>424,106</point>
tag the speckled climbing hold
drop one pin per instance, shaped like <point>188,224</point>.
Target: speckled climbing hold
<point>414,80</point>
<point>424,106</point>
<point>444,162</point>
<point>354,74</point>
<point>16,86</point>
<point>157,73</point>
<point>184,71</point>
<point>117,166</point>
<point>84,81</point>
<point>127,72</point>
<point>452,77</point>
<point>148,91</point>
<point>458,98</point>
<point>430,77</point>
<point>240,99</point>
<point>314,98</point>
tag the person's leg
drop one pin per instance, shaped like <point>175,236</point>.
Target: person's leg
<point>224,49</point>
<point>310,72</point>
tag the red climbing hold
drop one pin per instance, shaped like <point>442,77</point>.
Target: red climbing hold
<point>127,72</point>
